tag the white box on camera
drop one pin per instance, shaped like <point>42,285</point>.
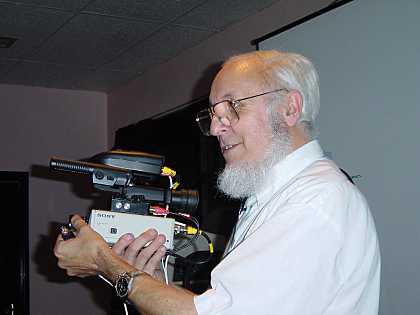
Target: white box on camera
<point>112,225</point>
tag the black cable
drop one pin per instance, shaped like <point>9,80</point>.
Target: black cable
<point>195,262</point>
<point>194,238</point>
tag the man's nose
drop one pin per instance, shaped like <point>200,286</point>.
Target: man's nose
<point>217,127</point>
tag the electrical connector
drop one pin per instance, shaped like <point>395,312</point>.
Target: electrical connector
<point>168,172</point>
<point>183,228</point>
<point>156,210</point>
<point>179,227</point>
<point>191,230</point>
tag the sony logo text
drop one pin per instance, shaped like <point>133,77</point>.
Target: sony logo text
<point>104,215</point>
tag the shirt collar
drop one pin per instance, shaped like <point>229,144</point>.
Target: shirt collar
<point>287,169</point>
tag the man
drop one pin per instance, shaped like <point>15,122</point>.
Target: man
<point>305,241</point>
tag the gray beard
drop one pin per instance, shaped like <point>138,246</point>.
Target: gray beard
<point>242,180</point>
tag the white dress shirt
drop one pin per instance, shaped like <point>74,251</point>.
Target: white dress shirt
<point>307,245</point>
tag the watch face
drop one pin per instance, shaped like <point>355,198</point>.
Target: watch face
<point>121,286</point>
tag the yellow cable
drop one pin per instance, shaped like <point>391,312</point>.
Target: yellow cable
<point>168,172</point>
<point>191,231</point>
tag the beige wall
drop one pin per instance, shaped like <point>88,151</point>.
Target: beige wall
<point>188,76</point>
<point>35,124</point>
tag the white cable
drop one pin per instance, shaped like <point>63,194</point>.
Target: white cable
<point>166,267</point>
<point>106,280</point>
<point>164,263</point>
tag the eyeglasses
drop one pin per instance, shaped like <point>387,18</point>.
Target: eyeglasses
<point>225,111</point>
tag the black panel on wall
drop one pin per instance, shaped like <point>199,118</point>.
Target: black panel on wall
<point>196,158</point>
<point>14,261</point>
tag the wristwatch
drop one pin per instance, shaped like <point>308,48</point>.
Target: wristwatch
<point>124,283</point>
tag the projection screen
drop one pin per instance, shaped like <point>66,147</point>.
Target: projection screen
<point>367,55</point>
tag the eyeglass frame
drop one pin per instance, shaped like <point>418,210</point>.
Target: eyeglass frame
<point>234,104</point>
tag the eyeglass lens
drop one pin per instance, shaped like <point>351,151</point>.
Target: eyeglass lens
<point>224,112</point>
<point>203,120</point>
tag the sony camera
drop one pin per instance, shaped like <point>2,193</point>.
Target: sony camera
<point>139,200</point>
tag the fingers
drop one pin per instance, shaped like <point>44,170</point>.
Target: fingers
<point>154,261</point>
<point>124,241</point>
<point>57,245</point>
<point>83,230</point>
<point>145,251</point>
<point>137,246</point>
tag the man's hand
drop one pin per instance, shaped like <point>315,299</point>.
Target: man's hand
<point>88,254</point>
<point>79,255</point>
<point>136,253</point>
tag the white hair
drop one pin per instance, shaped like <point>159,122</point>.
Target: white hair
<point>293,72</point>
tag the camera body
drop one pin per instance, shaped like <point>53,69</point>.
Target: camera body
<point>112,225</point>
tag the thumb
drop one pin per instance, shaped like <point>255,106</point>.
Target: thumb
<point>77,222</point>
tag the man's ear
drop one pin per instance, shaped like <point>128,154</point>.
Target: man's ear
<point>293,108</point>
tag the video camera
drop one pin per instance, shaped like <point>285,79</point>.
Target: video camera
<point>139,201</point>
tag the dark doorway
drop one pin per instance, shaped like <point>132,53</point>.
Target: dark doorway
<point>14,233</point>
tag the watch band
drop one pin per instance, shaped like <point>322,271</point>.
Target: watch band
<point>124,283</point>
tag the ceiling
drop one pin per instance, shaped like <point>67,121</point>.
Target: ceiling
<point>99,45</point>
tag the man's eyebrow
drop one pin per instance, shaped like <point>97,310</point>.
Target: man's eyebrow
<point>225,97</point>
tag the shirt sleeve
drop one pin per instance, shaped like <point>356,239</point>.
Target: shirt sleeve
<point>213,301</point>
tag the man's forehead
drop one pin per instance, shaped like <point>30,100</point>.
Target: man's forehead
<point>236,78</point>
<point>246,66</point>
